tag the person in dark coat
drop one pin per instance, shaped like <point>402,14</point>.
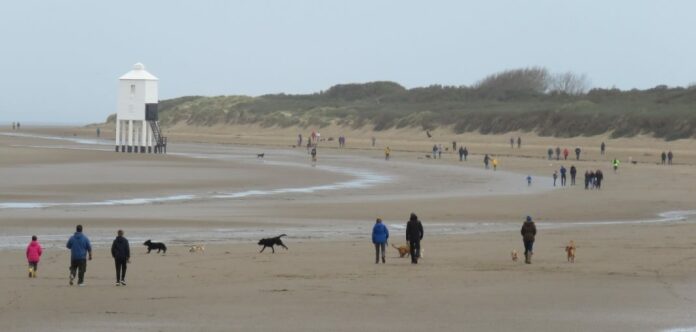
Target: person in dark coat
<point>414,235</point>
<point>380,236</point>
<point>461,153</point>
<point>485,160</point>
<point>120,251</point>
<point>528,232</point>
<point>670,156</point>
<point>577,153</point>
<point>602,148</point>
<point>599,176</point>
<point>587,179</point>
<point>664,157</point>
<point>466,153</point>
<point>573,173</point>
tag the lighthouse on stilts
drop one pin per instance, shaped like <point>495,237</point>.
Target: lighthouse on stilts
<point>137,125</point>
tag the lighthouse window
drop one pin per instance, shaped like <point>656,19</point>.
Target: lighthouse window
<point>132,89</point>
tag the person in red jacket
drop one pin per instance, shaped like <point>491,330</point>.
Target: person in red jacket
<point>34,252</point>
<point>565,154</point>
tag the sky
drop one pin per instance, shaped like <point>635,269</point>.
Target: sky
<point>60,60</point>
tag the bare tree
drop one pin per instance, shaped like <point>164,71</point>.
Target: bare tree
<point>570,83</point>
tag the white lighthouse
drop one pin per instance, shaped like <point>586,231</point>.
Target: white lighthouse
<point>137,126</point>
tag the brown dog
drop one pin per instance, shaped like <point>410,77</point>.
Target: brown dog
<point>403,250</point>
<point>570,251</point>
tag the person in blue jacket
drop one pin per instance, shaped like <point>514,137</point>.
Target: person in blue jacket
<point>380,235</point>
<point>80,250</point>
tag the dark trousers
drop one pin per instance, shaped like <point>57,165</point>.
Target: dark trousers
<point>563,179</point>
<point>380,247</point>
<point>415,250</point>
<point>572,179</point>
<point>34,265</point>
<point>121,264</point>
<point>528,246</point>
<point>79,266</point>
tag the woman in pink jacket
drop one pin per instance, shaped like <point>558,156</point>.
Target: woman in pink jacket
<point>34,252</point>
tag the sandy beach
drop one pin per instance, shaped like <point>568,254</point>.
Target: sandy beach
<point>635,268</point>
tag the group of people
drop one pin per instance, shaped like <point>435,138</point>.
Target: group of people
<point>564,175</point>
<point>15,125</point>
<point>667,157</point>
<point>512,142</point>
<point>80,252</point>
<point>414,235</point>
<point>593,179</point>
<point>489,160</point>
<point>565,152</point>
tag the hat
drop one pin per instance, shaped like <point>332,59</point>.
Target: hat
<point>529,218</point>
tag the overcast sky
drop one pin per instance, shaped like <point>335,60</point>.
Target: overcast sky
<point>60,60</point>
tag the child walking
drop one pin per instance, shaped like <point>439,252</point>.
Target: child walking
<point>34,252</point>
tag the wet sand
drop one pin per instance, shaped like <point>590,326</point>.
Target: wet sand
<point>628,276</point>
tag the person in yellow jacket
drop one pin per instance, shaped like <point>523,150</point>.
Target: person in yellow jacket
<point>387,152</point>
<point>495,163</point>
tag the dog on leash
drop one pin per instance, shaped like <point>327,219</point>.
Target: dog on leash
<point>260,155</point>
<point>570,251</point>
<point>403,250</point>
<point>155,246</point>
<point>197,248</point>
<point>272,241</point>
<point>513,255</point>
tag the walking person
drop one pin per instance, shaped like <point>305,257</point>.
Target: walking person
<point>519,142</point>
<point>550,153</point>
<point>461,153</point>
<point>98,132</point>
<point>380,237</point>
<point>670,156</point>
<point>34,252</point>
<point>573,173</point>
<point>529,180</point>
<point>512,142</point>
<point>454,146</point>
<point>387,153</point>
<point>374,140</point>
<point>599,176</point>
<point>434,151</point>
<point>495,164</point>
<point>555,176</point>
<point>120,251</point>
<point>602,148</point>
<point>414,235</point>
<point>577,153</point>
<point>528,232</point>
<point>563,176</point>
<point>299,140</point>
<point>466,153</point>
<point>587,180</point>
<point>485,160</point>
<point>314,155</point>
<point>664,157</point>
<point>439,151</point>
<point>565,153</point>
<point>616,163</point>
<point>558,153</point>
<point>80,251</point>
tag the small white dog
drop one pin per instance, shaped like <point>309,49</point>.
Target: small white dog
<point>197,248</point>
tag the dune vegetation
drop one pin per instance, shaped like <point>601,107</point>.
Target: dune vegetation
<point>529,99</point>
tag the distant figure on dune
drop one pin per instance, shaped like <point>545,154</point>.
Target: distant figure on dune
<point>485,160</point>
<point>528,232</point>
<point>387,153</point>
<point>439,151</point>
<point>414,235</point>
<point>380,236</point>
<point>34,252</point>
<point>454,146</point>
<point>550,153</point>
<point>374,140</point>
<point>299,140</point>
<point>434,151</point>
<point>80,250</point>
<point>602,148</point>
<point>98,132</point>
<point>519,142</point>
<point>577,153</point>
<point>670,156</point>
<point>664,157</point>
<point>18,125</point>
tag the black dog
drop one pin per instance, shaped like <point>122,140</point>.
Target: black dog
<point>260,155</point>
<point>155,245</point>
<point>272,241</point>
